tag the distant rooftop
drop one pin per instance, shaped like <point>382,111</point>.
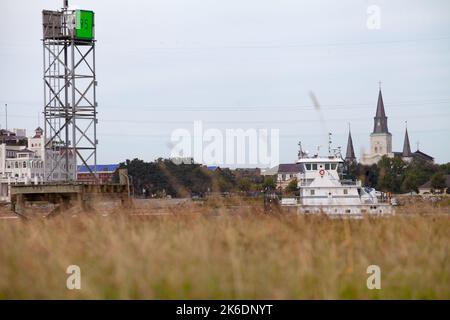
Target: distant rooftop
<point>290,168</point>
<point>100,168</point>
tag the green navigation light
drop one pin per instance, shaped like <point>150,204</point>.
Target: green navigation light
<point>85,24</point>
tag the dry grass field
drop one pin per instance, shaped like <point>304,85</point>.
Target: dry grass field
<point>209,252</point>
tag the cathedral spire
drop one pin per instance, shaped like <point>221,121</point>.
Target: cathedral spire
<point>380,119</point>
<point>350,154</point>
<point>406,146</point>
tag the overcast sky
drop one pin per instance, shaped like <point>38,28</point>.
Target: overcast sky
<point>246,64</point>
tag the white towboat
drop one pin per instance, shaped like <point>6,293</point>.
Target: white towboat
<point>321,191</point>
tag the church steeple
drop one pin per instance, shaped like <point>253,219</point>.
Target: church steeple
<point>350,154</point>
<point>406,146</point>
<point>380,119</point>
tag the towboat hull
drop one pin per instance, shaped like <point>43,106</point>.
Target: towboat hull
<point>379,209</point>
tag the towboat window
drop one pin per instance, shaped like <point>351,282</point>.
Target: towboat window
<point>313,192</point>
<point>345,191</point>
<point>333,166</point>
<point>327,166</point>
<point>314,166</point>
<point>308,166</point>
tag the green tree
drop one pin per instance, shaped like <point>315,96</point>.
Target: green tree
<point>423,170</point>
<point>244,184</point>
<point>391,173</point>
<point>352,170</point>
<point>162,176</point>
<point>292,186</point>
<point>269,183</point>
<point>445,168</point>
<point>438,181</point>
<point>224,180</point>
<point>368,175</point>
<point>411,182</point>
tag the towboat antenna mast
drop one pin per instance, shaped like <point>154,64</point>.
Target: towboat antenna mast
<point>300,150</point>
<point>329,143</point>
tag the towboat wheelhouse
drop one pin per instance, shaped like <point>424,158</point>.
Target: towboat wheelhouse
<point>322,190</point>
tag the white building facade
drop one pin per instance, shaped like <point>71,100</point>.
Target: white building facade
<point>20,162</point>
<point>23,161</point>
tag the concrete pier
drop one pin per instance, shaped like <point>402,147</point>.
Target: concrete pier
<point>66,195</point>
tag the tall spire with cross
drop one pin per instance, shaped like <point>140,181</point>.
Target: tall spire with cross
<point>406,146</point>
<point>380,119</point>
<point>350,154</point>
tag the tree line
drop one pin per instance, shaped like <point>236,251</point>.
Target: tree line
<point>398,176</point>
<point>162,177</point>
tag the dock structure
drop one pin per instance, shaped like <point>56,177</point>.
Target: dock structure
<point>69,137</point>
<point>66,196</point>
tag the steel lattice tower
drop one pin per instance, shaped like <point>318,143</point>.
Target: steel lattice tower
<point>70,106</point>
